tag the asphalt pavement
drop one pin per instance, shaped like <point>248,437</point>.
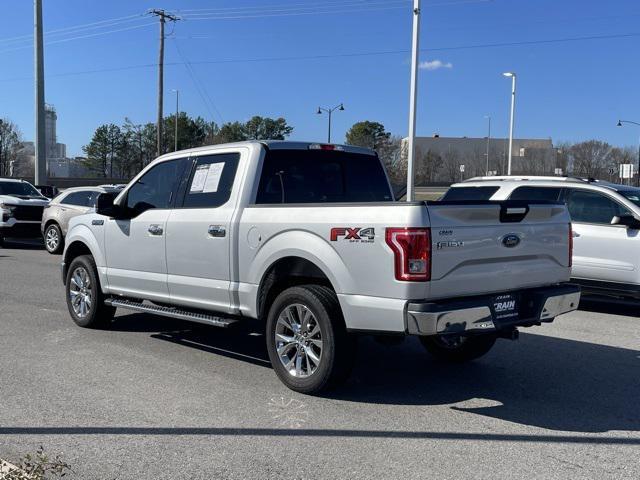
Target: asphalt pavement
<point>154,398</point>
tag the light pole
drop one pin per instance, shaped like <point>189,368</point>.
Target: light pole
<point>620,122</point>
<point>175,148</point>
<point>513,106</point>
<point>330,111</point>
<point>488,117</point>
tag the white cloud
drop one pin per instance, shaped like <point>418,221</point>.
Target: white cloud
<point>434,65</point>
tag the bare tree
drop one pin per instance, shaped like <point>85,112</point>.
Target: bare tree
<point>10,145</point>
<point>591,158</point>
<point>451,166</point>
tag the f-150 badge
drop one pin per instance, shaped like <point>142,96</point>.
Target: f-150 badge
<point>354,235</point>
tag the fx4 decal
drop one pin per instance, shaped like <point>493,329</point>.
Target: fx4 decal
<point>354,235</point>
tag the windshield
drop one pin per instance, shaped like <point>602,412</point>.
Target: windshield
<point>632,195</point>
<point>23,189</point>
<point>469,193</point>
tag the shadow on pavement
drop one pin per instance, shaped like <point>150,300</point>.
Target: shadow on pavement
<point>541,381</point>
<point>610,306</point>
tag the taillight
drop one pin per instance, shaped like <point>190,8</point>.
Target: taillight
<point>570,245</point>
<point>412,253</point>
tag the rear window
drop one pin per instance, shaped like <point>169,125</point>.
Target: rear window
<point>317,176</point>
<point>469,193</point>
<point>551,194</point>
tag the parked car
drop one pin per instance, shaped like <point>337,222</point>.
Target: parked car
<point>71,203</point>
<point>49,191</point>
<point>606,224</point>
<point>308,239</point>
<point>21,208</point>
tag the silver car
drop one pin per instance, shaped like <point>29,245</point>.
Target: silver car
<point>605,219</point>
<point>70,203</point>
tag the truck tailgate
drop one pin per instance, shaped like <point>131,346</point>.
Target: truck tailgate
<point>482,247</point>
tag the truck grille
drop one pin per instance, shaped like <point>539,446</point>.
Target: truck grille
<point>28,212</point>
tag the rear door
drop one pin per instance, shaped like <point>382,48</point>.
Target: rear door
<point>199,233</point>
<point>482,247</point>
<point>601,250</point>
<point>74,204</point>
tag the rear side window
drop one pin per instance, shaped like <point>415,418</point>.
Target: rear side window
<point>469,193</point>
<point>79,199</point>
<point>551,194</point>
<point>318,176</point>
<point>211,181</point>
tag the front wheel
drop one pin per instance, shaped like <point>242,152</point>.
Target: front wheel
<point>85,300</point>
<point>308,344</point>
<point>53,241</point>
<point>456,348</point>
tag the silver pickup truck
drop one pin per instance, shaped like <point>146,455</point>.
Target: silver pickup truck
<point>309,239</point>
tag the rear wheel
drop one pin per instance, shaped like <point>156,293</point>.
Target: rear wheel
<point>53,241</point>
<point>456,348</point>
<point>85,300</point>
<point>308,344</point>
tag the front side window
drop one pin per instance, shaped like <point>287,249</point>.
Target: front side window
<point>593,207</point>
<point>211,181</point>
<point>156,188</point>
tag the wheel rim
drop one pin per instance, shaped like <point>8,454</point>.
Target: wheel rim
<point>52,239</point>
<point>80,292</point>
<point>298,340</point>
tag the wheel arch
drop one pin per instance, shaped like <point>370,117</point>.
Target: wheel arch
<point>286,272</point>
<point>81,241</point>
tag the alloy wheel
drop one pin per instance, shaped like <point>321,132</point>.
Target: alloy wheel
<point>298,340</point>
<point>80,292</point>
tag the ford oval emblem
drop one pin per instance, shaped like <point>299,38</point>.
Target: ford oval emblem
<point>511,240</point>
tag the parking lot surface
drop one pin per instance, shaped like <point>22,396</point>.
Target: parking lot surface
<point>157,398</point>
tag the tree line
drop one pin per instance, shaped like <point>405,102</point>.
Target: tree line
<point>122,151</point>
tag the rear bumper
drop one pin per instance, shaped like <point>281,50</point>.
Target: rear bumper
<point>476,315</point>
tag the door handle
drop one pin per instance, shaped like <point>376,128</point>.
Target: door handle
<point>575,234</point>
<point>217,231</point>
<point>155,230</point>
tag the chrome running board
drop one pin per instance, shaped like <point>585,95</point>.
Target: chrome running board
<point>172,312</point>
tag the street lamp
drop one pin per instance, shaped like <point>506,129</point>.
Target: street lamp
<point>620,122</point>
<point>330,111</point>
<point>175,148</point>
<point>513,106</point>
<point>488,117</point>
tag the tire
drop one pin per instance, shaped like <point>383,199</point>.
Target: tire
<point>82,278</point>
<point>322,365</point>
<point>458,349</point>
<point>53,239</point>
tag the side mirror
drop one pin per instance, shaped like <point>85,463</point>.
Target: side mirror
<point>106,207</point>
<point>628,221</point>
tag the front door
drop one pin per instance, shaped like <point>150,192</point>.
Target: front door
<point>600,250</point>
<point>135,247</point>
<point>199,234</point>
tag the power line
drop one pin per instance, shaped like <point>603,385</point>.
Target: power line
<point>201,89</point>
<point>87,26</point>
<point>64,40</point>
<point>339,55</point>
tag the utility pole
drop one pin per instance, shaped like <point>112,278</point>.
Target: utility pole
<point>163,17</point>
<point>413,97</point>
<point>175,148</point>
<point>40,146</point>
<point>488,117</point>
<point>512,75</point>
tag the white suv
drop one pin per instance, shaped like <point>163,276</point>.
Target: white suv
<point>605,218</point>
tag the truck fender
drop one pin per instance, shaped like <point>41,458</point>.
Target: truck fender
<point>82,234</point>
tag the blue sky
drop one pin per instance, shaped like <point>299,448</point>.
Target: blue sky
<point>355,51</point>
